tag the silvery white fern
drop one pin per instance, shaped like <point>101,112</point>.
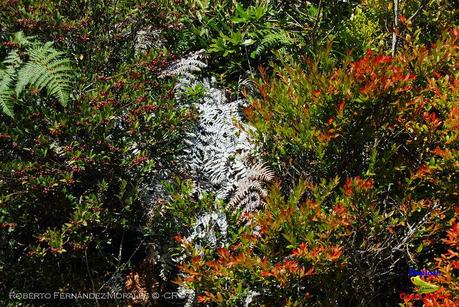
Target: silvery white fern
<point>218,156</point>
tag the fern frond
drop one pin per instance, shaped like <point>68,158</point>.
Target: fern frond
<point>188,65</point>
<point>147,38</point>
<point>250,191</point>
<point>6,93</point>
<point>7,78</point>
<point>216,155</point>
<point>12,60</point>
<point>272,39</point>
<point>22,39</point>
<point>46,69</point>
<point>260,172</point>
<point>208,227</point>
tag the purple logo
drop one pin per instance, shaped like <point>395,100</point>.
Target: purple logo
<point>423,272</point>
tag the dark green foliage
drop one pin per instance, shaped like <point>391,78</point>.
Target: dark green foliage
<point>98,34</point>
<point>71,179</point>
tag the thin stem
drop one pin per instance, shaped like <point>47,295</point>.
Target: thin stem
<point>90,276</point>
<point>419,10</point>
<point>318,18</point>
<point>394,30</point>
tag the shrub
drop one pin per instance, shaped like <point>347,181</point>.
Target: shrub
<point>98,35</point>
<point>368,117</point>
<point>72,179</point>
<point>377,140</point>
<point>242,34</point>
<point>278,256</point>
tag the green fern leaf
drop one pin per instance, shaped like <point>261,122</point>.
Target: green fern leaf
<point>272,39</point>
<point>46,69</point>
<point>22,39</point>
<point>7,78</point>
<point>12,59</point>
<point>6,93</point>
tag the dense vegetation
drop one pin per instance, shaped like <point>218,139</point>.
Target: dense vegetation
<point>240,153</point>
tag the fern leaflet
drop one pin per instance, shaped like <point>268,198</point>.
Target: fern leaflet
<point>5,93</point>
<point>46,69</point>
<point>272,39</point>
<point>7,77</point>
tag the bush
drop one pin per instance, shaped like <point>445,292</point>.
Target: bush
<point>242,34</point>
<point>97,195</point>
<point>99,35</point>
<point>366,117</point>
<point>72,179</point>
<point>377,141</point>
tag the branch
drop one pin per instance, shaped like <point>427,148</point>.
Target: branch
<point>394,35</point>
<point>318,18</point>
<point>419,10</point>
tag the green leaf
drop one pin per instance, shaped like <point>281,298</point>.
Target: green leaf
<point>45,69</point>
<point>291,238</point>
<point>248,42</point>
<point>420,247</point>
